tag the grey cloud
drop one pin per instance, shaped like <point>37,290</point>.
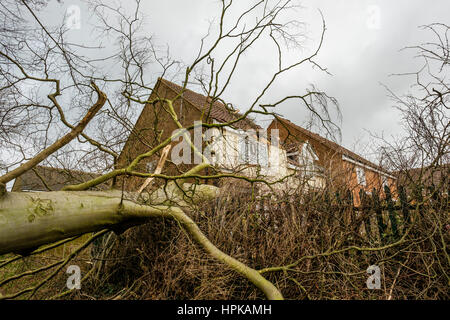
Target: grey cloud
<point>360,55</point>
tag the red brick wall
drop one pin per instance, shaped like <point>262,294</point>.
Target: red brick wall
<point>153,126</point>
<point>342,174</point>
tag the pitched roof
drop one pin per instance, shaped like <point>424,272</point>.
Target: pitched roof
<point>426,175</point>
<point>55,179</point>
<point>218,111</point>
<point>330,144</point>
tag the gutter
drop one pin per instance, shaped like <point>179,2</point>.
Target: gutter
<point>345,158</point>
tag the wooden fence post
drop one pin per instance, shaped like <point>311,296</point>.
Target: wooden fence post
<point>328,219</point>
<point>419,198</point>
<point>379,215</point>
<point>365,212</point>
<point>405,208</point>
<point>348,201</point>
<point>392,214</point>
<point>340,210</point>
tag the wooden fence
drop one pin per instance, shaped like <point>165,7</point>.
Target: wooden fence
<point>383,217</point>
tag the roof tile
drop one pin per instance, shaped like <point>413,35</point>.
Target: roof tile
<point>218,111</point>
<point>330,144</point>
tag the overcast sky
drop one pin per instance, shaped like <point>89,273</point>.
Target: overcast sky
<point>361,49</point>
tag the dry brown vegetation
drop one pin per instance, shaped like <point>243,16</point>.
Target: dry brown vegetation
<point>309,246</point>
<point>159,261</point>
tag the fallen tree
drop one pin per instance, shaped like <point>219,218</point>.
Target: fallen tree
<point>30,220</point>
<point>74,88</point>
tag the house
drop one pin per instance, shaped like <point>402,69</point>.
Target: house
<point>429,178</point>
<point>241,147</point>
<point>342,167</point>
<point>42,178</point>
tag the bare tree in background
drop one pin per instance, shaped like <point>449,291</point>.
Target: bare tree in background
<point>425,114</point>
<point>66,107</point>
<point>63,106</point>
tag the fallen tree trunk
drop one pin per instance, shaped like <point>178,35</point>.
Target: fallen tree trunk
<point>29,220</point>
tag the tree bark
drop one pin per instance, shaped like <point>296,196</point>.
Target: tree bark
<point>29,220</point>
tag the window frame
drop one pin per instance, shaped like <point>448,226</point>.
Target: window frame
<point>361,176</point>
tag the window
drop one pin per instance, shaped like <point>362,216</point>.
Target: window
<point>361,176</point>
<point>248,150</point>
<point>385,182</point>
<point>293,156</point>
<point>308,157</point>
<point>252,151</point>
<point>263,154</point>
